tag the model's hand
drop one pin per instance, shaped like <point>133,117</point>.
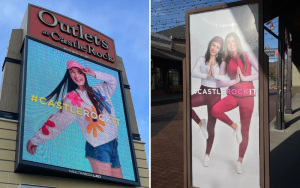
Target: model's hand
<point>208,74</point>
<point>89,71</point>
<point>31,148</point>
<point>238,70</point>
<point>240,73</point>
<point>212,70</point>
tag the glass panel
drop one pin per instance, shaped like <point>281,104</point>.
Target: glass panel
<point>156,78</point>
<point>173,77</point>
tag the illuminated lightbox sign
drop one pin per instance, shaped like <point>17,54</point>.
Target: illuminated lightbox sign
<point>71,35</point>
<point>224,97</point>
<point>73,120</point>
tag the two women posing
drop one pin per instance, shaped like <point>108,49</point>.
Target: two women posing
<point>231,68</point>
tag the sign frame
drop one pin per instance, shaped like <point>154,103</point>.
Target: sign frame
<point>264,151</point>
<point>26,27</point>
<point>30,167</point>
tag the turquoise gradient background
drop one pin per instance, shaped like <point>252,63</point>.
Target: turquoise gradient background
<point>46,67</point>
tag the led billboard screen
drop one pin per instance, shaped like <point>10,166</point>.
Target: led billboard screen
<point>74,116</point>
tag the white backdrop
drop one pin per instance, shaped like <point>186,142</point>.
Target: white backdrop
<point>222,170</point>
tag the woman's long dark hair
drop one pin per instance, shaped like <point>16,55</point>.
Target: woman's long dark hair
<point>239,50</point>
<point>220,54</point>
<point>67,85</point>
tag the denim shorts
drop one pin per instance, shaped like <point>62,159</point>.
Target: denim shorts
<point>106,153</point>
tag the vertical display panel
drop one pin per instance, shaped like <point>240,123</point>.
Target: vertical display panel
<point>224,97</point>
<point>74,117</point>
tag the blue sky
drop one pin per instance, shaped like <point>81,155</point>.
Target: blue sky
<point>270,40</point>
<point>127,22</point>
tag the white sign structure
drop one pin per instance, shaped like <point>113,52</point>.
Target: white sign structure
<point>161,40</point>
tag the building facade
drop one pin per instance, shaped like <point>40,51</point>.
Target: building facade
<point>11,92</point>
<point>166,65</point>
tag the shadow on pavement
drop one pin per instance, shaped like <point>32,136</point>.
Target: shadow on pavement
<point>285,163</point>
<point>289,123</point>
<point>296,110</point>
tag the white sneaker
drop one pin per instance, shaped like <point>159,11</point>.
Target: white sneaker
<point>206,161</point>
<point>238,133</point>
<point>239,167</point>
<point>203,128</point>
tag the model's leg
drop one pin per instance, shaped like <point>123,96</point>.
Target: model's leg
<point>115,161</point>
<point>197,100</point>
<point>212,100</point>
<point>246,106</point>
<point>100,167</point>
<point>224,105</point>
<point>117,172</point>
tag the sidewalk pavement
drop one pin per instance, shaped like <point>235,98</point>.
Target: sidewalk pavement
<point>285,150</point>
<point>167,151</point>
<point>161,116</point>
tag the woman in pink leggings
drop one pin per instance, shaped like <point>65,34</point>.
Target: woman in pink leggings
<point>207,68</point>
<point>241,91</point>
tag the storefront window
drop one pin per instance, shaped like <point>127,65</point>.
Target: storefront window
<point>173,77</point>
<point>174,86</point>
<point>156,79</point>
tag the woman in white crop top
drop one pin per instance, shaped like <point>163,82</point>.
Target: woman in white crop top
<point>93,110</point>
<point>207,68</point>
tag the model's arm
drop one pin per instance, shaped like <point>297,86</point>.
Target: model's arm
<point>253,62</point>
<point>226,83</point>
<point>196,71</point>
<point>109,84</point>
<point>221,77</point>
<point>55,124</point>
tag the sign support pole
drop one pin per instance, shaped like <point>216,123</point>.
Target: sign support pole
<point>288,109</point>
<point>280,77</point>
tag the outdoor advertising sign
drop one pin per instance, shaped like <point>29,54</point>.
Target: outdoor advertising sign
<point>73,117</point>
<point>70,35</point>
<point>223,97</point>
